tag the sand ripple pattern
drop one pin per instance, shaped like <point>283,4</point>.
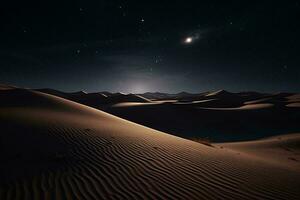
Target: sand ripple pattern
<point>99,156</point>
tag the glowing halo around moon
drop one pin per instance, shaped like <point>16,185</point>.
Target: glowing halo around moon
<point>188,40</point>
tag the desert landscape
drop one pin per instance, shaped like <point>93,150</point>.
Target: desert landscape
<point>219,116</point>
<point>54,148</point>
<point>131,99</point>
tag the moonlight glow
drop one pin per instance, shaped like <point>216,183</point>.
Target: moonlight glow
<point>188,40</point>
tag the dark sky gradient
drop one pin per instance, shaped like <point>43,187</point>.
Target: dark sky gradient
<point>138,46</point>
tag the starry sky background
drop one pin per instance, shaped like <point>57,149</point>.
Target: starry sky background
<point>139,46</point>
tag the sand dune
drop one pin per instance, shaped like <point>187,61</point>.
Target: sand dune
<point>293,100</point>
<point>219,116</point>
<point>52,148</point>
<point>123,98</point>
<point>165,96</point>
<point>279,99</point>
<point>293,105</point>
<point>6,87</point>
<point>221,94</point>
<point>97,99</point>
<point>294,97</point>
<point>281,150</point>
<point>245,107</point>
<point>201,119</point>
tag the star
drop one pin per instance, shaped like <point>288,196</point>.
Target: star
<point>142,20</point>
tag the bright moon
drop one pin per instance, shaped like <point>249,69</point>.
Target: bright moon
<point>188,40</point>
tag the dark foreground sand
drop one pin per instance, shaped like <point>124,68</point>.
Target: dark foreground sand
<point>52,148</point>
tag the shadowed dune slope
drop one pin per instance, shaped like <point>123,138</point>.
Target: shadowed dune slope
<point>51,148</point>
<point>202,120</point>
<point>121,98</point>
<point>219,116</point>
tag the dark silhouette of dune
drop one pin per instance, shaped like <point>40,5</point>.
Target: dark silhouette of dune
<point>106,93</point>
<point>121,98</point>
<point>293,98</point>
<point>218,116</point>
<point>97,99</point>
<point>222,94</point>
<point>54,92</point>
<point>6,87</point>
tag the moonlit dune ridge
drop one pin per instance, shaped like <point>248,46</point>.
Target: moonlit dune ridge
<point>52,148</point>
<point>117,99</point>
<point>219,116</point>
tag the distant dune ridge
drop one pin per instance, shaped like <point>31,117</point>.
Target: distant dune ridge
<point>6,87</point>
<point>96,99</point>
<point>53,148</point>
<point>219,116</point>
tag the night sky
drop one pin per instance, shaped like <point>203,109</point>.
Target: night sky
<point>139,46</point>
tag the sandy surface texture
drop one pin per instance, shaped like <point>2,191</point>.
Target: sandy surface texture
<point>52,148</point>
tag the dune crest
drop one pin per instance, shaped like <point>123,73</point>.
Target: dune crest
<point>59,149</point>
